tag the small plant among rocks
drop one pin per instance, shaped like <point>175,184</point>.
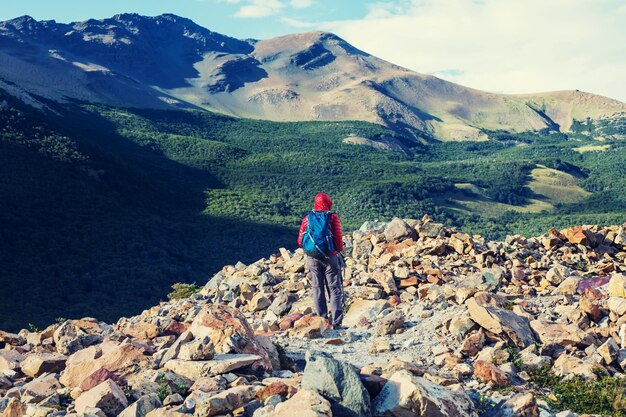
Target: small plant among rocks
<point>182,290</point>
<point>604,396</point>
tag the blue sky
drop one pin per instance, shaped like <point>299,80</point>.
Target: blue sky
<point>242,19</point>
<point>509,46</point>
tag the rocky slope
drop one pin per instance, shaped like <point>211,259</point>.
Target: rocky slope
<point>440,323</point>
<point>165,61</point>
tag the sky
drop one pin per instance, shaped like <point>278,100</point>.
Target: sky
<point>504,46</point>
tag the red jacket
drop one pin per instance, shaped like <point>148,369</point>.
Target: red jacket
<point>324,203</point>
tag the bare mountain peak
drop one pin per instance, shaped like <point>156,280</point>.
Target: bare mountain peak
<point>151,61</point>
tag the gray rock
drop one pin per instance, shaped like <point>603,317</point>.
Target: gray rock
<point>339,383</point>
<point>407,395</point>
<point>501,321</point>
<point>281,304</point>
<point>398,230</point>
<point>142,406</point>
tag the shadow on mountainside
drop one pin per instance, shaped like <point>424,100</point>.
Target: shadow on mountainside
<point>109,237</point>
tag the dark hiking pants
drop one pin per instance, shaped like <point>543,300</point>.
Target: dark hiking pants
<point>325,275</point>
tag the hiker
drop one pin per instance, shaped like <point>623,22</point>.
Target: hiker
<point>322,239</point>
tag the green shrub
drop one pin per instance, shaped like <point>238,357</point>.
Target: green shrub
<point>182,290</point>
<point>605,395</point>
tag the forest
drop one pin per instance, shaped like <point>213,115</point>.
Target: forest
<point>103,209</point>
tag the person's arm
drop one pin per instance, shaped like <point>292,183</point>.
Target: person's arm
<point>335,228</point>
<point>303,225</point>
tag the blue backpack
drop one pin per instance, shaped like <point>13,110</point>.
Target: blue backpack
<point>318,239</point>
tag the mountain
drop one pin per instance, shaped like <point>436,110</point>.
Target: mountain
<point>170,62</point>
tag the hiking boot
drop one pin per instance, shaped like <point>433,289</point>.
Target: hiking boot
<point>339,327</point>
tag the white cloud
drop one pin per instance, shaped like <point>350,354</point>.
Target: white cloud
<point>500,45</point>
<point>296,23</point>
<point>301,4</point>
<point>260,8</point>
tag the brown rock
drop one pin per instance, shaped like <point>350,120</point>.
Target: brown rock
<point>305,403</point>
<point>97,378</point>
<point>472,344</point>
<point>408,395</point>
<point>39,363</point>
<point>488,372</point>
<point>591,308</point>
<point>520,405</point>
<point>120,359</point>
<point>309,327</point>
<point>617,286</point>
<point>10,360</point>
<point>14,409</point>
<point>567,366</point>
<point>385,279</point>
<point>224,402</point>
<point>220,364</point>
<point>550,333</point>
<point>390,324</point>
<point>230,332</point>
<point>288,321</point>
<point>609,351</point>
<point>502,322</point>
<point>107,396</point>
<point>11,339</point>
<point>579,236</point>
<point>275,388</point>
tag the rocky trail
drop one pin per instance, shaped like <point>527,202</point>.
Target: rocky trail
<point>439,323</point>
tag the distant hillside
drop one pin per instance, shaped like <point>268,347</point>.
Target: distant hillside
<point>103,208</point>
<point>169,61</point>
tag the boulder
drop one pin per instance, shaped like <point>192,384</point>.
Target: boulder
<point>120,359</point>
<point>14,408</point>
<point>609,351</point>
<point>550,333</point>
<point>281,304</point>
<point>390,324</point>
<point>142,406</point>
<point>200,349</point>
<point>397,230</point>
<point>502,322</point>
<point>224,402</point>
<point>305,403</point>
<point>275,388</point>
<point>10,360</point>
<point>568,366</point>
<point>339,383</point>
<point>579,236</point>
<point>166,412</point>
<point>309,327</point>
<point>220,364</point>
<point>489,372</point>
<point>230,333</point>
<point>408,395</point>
<point>40,388</point>
<point>569,286</point>
<point>519,405</point>
<point>617,286</point>
<point>74,335</point>
<point>107,396</point>
<point>617,305</point>
<point>37,364</point>
<point>386,280</point>
<point>364,312</point>
<point>11,339</point>
<point>259,302</point>
<point>97,378</point>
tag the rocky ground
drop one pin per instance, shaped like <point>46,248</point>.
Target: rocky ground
<point>439,323</point>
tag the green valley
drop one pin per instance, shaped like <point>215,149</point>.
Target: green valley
<point>104,208</point>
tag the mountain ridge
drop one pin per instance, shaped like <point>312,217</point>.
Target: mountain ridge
<point>169,61</point>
